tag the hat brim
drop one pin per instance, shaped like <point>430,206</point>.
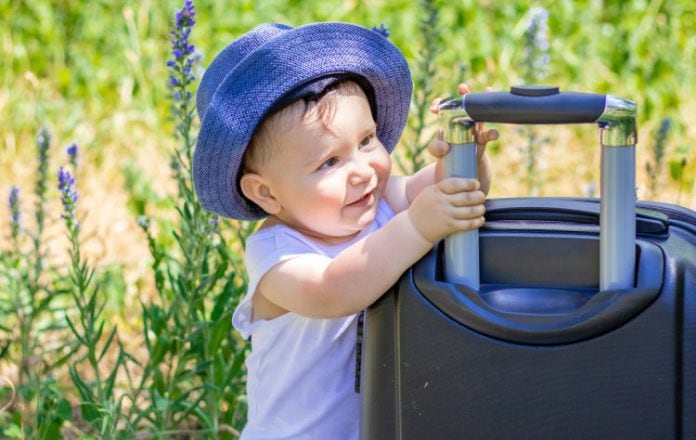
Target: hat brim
<point>297,56</point>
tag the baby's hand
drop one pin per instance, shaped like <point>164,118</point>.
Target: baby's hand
<point>452,205</point>
<point>438,148</point>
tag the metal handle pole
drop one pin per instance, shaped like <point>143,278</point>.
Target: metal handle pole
<point>462,248</point>
<point>617,220</point>
<point>617,223</point>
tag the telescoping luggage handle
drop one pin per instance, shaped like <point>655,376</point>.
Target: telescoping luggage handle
<point>616,118</point>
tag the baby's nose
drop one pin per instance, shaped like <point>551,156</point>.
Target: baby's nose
<point>361,172</point>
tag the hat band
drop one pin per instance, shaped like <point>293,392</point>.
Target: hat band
<point>316,88</point>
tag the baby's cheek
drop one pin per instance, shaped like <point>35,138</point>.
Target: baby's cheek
<point>382,164</point>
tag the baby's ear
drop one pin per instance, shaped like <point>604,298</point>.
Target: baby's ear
<point>255,188</point>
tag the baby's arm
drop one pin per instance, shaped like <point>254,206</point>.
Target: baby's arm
<point>321,287</point>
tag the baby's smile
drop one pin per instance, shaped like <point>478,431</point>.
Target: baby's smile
<point>366,200</point>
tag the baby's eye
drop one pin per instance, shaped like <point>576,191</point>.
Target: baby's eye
<point>329,163</point>
<point>365,142</point>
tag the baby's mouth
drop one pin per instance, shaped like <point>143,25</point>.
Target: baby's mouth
<point>362,200</point>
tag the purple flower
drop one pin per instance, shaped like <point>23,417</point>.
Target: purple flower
<point>183,53</point>
<point>43,142</point>
<point>184,18</point>
<point>536,47</point>
<point>15,213</point>
<point>213,224</point>
<point>382,30</point>
<point>665,127</point>
<point>68,194</point>
<point>72,152</point>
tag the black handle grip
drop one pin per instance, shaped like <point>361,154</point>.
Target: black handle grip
<point>535,105</point>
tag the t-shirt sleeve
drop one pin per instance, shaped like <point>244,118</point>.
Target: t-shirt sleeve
<point>264,250</point>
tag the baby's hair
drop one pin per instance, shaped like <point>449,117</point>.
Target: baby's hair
<point>265,138</point>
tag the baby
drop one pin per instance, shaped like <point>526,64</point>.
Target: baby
<point>297,127</point>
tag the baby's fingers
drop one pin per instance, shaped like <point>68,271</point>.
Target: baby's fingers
<point>435,104</point>
<point>463,89</point>
<point>483,135</point>
<point>438,147</point>
<point>467,198</point>
<point>453,185</point>
<point>469,212</point>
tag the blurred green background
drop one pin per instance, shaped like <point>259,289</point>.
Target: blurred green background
<point>94,72</point>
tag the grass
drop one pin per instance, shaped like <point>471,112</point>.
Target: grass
<point>157,357</point>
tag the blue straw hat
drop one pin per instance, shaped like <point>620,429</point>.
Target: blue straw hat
<point>271,65</point>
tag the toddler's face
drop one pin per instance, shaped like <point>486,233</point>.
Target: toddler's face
<point>328,178</point>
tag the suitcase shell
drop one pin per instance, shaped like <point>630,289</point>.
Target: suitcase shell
<point>543,341</point>
<point>434,369</point>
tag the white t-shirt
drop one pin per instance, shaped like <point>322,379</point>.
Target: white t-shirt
<point>301,371</point>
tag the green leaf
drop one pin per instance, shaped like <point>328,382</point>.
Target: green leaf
<point>146,327</point>
<point>63,359</point>
<point>90,412</point>
<point>220,362</point>
<point>161,403</point>
<point>75,332</point>
<point>45,303</point>
<point>13,431</point>
<point>107,344</point>
<point>162,347</point>
<point>82,387</point>
<point>676,169</point>
<point>220,330</point>
<point>109,386</point>
<point>64,409</point>
<point>100,330</point>
<point>223,300</point>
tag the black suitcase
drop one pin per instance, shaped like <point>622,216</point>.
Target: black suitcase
<point>545,342</point>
